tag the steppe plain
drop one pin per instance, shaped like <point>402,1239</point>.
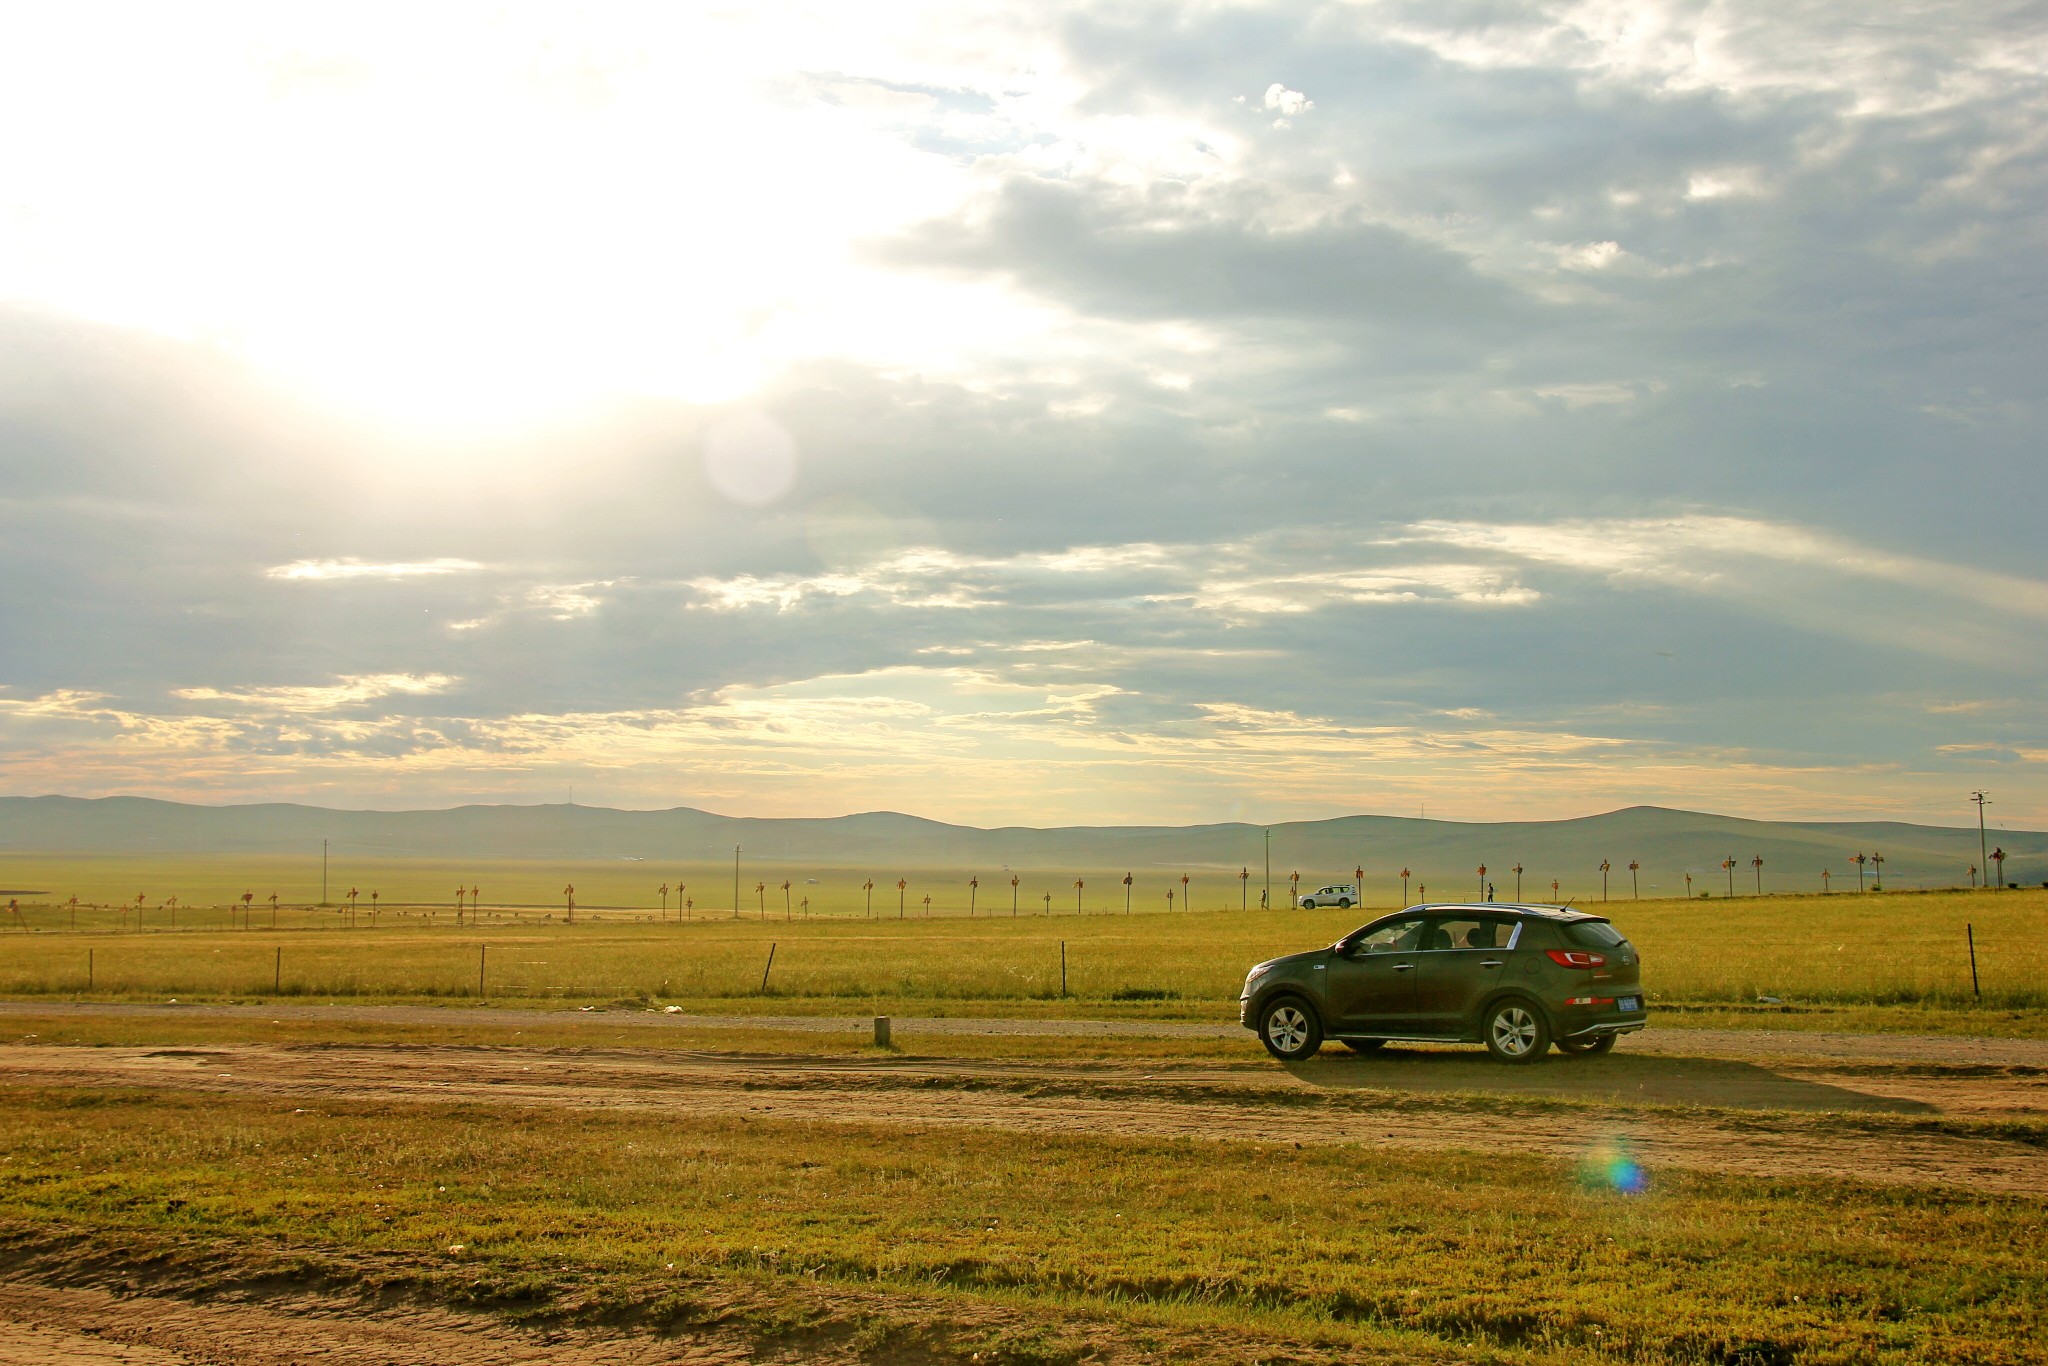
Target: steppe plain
<point>331,1148</point>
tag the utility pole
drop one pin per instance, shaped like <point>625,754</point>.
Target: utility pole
<point>1983,856</point>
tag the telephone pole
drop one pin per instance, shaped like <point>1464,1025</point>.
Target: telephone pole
<point>1983,858</point>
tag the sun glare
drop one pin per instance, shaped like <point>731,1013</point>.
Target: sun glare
<point>476,225</point>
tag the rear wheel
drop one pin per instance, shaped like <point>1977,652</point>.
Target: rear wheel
<point>1364,1045</point>
<point>1515,1031</point>
<point>1599,1043</point>
<point>1290,1030</point>
<point>1343,903</point>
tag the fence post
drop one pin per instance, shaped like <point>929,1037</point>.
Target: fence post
<point>1970,933</point>
<point>480,949</point>
<point>88,969</point>
<point>770,968</point>
<point>277,973</point>
<point>1063,969</point>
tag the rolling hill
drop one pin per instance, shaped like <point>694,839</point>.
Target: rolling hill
<point>1667,843</point>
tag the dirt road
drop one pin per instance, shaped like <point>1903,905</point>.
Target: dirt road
<point>1749,1044</point>
<point>1868,1120</point>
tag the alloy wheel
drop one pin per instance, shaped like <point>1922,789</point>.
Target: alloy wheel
<point>1287,1028</point>
<point>1514,1031</point>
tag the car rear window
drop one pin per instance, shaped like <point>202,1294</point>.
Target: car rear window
<point>1592,934</point>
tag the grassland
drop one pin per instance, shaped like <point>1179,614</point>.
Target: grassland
<point>1207,1249</point>
<point>1890,955</point>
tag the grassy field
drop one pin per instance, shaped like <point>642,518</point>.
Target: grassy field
<point>623,886</point>
<point>1207,1249</point>
<point>1895,950</point>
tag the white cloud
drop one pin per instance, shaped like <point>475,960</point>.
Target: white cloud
<point>359,569</point>
<point>1288,103</point>
<point>343,692</point>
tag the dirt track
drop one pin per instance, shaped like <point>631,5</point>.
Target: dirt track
<point>42,1325</point>
<point>1866,1120</point>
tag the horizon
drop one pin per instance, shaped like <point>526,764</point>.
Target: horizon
<point>1098,414</point>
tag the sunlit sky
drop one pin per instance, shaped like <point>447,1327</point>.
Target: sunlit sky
<point>1028,414</point>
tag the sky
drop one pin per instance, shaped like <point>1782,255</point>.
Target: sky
<point>1040,413</point>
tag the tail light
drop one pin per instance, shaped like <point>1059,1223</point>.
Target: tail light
<point>1576,958</point>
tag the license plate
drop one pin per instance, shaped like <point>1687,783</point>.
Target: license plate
<point>1626,1003</point>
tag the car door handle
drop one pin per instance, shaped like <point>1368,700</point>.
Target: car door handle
<point>1489,962</point>
<point>1403,967</point>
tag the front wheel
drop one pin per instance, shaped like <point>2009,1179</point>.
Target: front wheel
<point>1516,1031</point>
<point>1598,1044</point>
<point>1290,1030</point>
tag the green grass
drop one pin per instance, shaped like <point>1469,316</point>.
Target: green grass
<point>1326,1251</point>
<point>1900,952</point>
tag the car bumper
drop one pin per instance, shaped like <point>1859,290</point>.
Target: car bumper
<point>1581,1022</point>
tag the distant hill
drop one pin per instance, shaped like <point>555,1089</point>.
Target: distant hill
<point>1667,843</point>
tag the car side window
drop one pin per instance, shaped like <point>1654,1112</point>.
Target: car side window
<point>1470,932</point>
<point>1399,936</point>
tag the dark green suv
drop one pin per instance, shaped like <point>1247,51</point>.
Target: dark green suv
<point>1516,978</point>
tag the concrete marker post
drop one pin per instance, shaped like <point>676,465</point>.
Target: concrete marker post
<point>881,1031</point>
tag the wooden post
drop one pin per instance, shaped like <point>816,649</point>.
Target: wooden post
<point>770,968</point>
<point>480,971</point>
<point>1063,969</point>
<point>277,973</point>
<point>88,969</point>
<point>1970,933</point>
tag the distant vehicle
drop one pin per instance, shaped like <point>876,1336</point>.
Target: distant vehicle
<point>1512,976</point>
<point>1342,895</point>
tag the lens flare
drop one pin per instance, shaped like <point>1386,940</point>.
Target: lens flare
<point>750,458</point>
<point>1612,1166</point>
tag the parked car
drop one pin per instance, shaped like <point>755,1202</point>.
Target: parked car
<point>1343,895</point>
<point>1514,977</point>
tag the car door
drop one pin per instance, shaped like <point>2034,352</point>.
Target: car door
<point>1370,985</point>
<point>1460,959</point>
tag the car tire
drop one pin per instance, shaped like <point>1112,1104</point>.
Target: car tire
<point>1364,1045</point>
<point>1343,903</point>
<point>1588,1048</point>
<point>1515,1031</point>
<point>1289,1028</point>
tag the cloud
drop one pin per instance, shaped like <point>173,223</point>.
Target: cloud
<point>342,693</point>
<point>356,569</point>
